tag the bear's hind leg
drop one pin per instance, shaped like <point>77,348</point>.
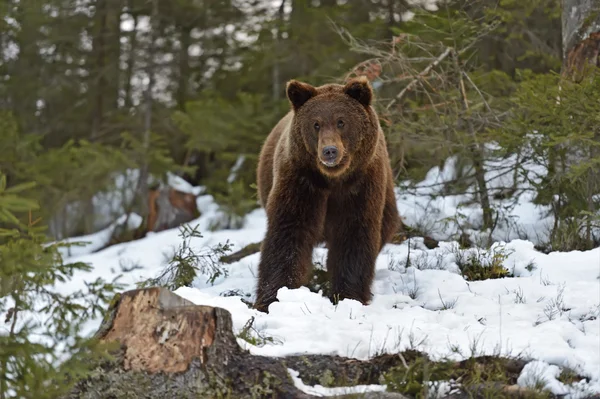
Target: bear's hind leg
<point>391,223</point>
<point>294,218</point>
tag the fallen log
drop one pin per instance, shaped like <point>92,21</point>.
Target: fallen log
<point>171,348</point>
<point>404,234</point>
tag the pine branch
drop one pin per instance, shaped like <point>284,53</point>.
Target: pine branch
<point>420,76</point>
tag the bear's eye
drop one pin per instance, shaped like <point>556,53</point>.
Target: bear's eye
<point>317,126</point>
<point>340,124</point>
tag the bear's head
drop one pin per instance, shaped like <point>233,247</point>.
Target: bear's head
<point>336,123</point>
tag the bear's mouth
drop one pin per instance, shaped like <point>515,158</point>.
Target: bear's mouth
<point>330,164</point>
<point>333,168</point>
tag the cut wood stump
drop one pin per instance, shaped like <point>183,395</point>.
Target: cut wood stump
<point>171,348</point>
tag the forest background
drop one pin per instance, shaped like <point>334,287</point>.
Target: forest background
<point>101,100</point>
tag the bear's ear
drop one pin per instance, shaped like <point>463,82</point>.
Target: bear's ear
<point>360,90</point>
<point>298,93</point>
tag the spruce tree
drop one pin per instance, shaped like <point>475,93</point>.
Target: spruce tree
<point>43,346</point>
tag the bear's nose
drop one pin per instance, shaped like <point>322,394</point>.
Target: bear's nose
<point>330,153</point>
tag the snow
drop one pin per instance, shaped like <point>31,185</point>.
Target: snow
<point>549,312</point>
<point>536,372</point>
<point>93,242</point>
<point>444,217</point>
<point>321,391</point>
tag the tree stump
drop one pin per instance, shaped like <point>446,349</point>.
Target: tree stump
<point>171,348</point>
<point>169,208</point>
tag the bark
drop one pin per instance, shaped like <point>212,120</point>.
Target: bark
<point>580,18</point>
<point>171,348</point>
<point>581,36</point>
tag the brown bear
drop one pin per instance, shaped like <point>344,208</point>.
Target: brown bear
<point>324,175</point>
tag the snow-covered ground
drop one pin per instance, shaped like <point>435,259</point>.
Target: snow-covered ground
<point>548,312</point>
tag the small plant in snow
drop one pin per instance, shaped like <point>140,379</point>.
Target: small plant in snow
<point>186,263</point>
<point>447,304</point>
<point>479,264</point>
<point>254,337</point>
<point>412,292</point>
<point>530,267</point>
<point>519,296</point>
<point>556,306</point>
<point>425,262</point>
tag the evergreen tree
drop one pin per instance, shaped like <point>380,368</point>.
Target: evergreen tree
<point>43,348</point>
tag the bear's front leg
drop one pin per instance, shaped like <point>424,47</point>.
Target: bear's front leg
<point>295,214</point>
<point>355,242</point>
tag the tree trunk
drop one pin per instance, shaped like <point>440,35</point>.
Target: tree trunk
<point>171,348</point>
<point>148,100</point>
<point>477,156</point>
<point>185,40</point>
<point>581,36</point>
<point>580,18</point>
<point>131,63</point>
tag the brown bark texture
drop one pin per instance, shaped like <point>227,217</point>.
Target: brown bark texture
<point>581,36</point>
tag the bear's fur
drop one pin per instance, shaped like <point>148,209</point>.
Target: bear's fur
<point>348,203</point>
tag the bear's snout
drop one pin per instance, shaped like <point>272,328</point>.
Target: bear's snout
<point>330,150</point>
<point>330,154</point>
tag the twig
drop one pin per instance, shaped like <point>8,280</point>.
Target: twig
<point>420,76</point>
<point>466,75</point>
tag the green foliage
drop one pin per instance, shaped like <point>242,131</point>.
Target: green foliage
<point>528,36</point>
<point>558,120</point>
<point>17,150</point>
<point>481,376</point>
<point>77,76</point>
<point>234,131</point>
<point>478,264</point>
<point>231,128</point>
<point>185,263</point>
<point>43,347</point>
<point>412,379</point>
<point>74,172</point>
<point>155,154</point>
<point>431,122</point>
